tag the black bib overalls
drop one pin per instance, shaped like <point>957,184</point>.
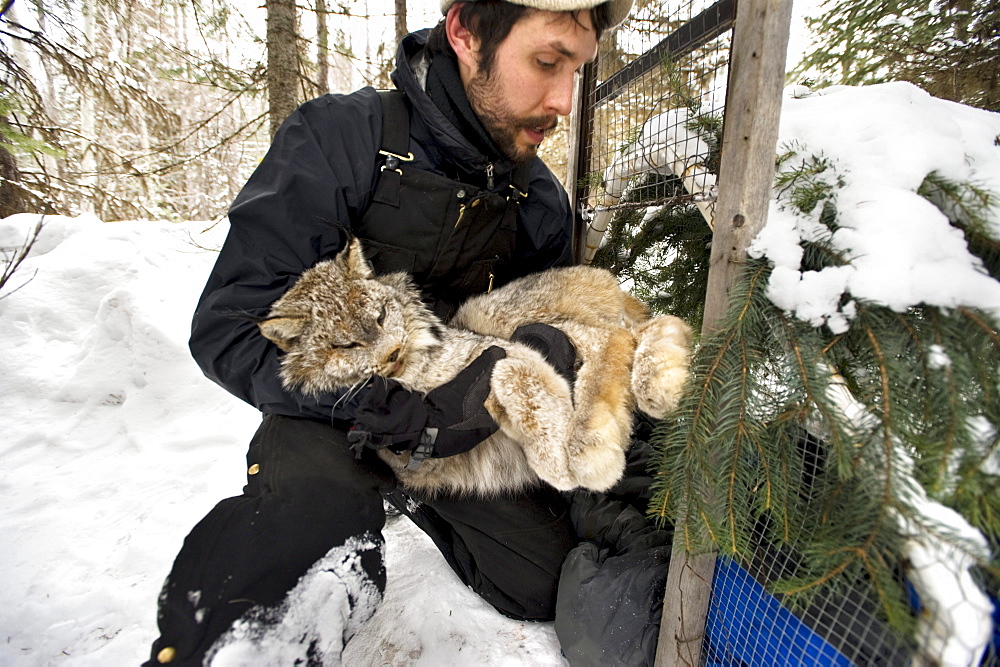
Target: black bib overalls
<point>455,239</point>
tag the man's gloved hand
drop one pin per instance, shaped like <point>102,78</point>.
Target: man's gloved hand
<point>553,345</point>
<point>449,420</point>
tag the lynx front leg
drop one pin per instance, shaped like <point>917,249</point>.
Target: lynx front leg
<point>532,404</point>
<point>602,420</point>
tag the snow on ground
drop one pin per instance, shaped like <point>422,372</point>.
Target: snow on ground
<point>114,445</point>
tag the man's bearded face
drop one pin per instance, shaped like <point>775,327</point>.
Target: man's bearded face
<point>530,80</point>
<point>518,138</point>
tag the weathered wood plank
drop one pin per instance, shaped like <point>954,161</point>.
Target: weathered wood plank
<point>753,106</point>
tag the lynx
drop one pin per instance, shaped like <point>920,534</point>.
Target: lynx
<point>340,325</point>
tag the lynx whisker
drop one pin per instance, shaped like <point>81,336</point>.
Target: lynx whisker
<point>350,392</point>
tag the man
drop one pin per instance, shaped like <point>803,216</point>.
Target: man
<point>482,89</point>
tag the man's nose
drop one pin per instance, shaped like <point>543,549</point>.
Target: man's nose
<point>560,98</point>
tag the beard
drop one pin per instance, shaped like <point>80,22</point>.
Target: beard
<point>504,126</point>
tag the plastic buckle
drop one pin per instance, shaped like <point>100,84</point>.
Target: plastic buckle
<point>518,195</point>
<point>424,449</point>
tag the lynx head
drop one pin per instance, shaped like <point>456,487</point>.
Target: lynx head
<point>339,325</point>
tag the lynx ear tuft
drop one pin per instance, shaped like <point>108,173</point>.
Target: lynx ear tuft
<point>282,330</point>
<point>352,260</point>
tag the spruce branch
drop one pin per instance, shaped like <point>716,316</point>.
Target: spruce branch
<point>760,376</point>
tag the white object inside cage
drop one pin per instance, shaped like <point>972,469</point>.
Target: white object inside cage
<point>666,145</point>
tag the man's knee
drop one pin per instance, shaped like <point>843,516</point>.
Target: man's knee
<point>304,496</point>
<point>509,551</point>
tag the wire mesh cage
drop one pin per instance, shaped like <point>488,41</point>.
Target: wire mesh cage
<point>647,160</point>
<point>648,153</point>
<point>748,626</point>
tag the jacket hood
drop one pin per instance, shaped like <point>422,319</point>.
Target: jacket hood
<point>439,129</point>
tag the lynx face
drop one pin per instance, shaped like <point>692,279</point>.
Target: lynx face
<point>339,325</point>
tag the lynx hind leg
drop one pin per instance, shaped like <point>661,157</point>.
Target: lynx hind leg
<point>602,421</point>
<point>635,312</point>
<point>532,404</point>
<point>662,364</point>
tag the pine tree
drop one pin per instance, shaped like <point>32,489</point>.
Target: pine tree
<point>948,48</point>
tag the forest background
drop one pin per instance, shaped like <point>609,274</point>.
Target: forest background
<point>160,109</point>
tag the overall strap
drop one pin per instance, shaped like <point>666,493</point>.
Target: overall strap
<point>395,145</point>
<point>395,128</point>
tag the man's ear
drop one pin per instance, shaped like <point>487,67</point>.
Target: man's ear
<point>463,42</point>
<point>282,330</point>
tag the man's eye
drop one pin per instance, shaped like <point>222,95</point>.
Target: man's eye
<point>544,64</point>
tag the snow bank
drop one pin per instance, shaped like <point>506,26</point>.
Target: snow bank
<point>113,442</point>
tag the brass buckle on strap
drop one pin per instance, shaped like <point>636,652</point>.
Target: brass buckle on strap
<point>518,195</point>
<point>392,160</point>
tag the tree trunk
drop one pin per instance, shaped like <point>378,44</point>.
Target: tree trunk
<point>88,118</point>
<point>10,197</point>
<point>400,21</point>
<point>322,48</point>
<point>49,100</point>
<point>282,61</point>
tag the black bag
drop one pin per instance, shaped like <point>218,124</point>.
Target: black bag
<point>610,598</point>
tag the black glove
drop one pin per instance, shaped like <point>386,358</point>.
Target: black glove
<point>449,420</point>
<point>553,345</point>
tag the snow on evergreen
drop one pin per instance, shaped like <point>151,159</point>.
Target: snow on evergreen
<point>883,141</point>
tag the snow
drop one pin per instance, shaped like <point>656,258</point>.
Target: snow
<point>940,548</point>
<point>114,445</point>
<point>883,141</point>
<point>319,605</point>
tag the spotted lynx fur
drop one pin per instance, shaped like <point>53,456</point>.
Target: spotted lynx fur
<point>340,325</point>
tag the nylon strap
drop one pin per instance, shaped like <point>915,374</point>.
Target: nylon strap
<point>395,122</point>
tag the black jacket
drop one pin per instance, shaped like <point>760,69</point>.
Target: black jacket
<point>316,179</point>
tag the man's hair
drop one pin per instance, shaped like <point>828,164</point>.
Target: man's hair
<point>490,21</point>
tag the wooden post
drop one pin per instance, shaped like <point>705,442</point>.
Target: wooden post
<point>580,130</point>
<point>753,107</point>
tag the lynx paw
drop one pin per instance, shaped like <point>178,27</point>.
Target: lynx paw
<point>662,363</point>
<point>597,455</point>
<point>536,410</point>
<point>599,466</point>
<point>598,441</point>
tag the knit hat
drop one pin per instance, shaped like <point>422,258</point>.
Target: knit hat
<point>617,9</point>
